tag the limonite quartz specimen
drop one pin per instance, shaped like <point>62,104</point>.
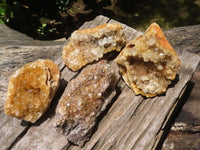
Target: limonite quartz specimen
<point>88,45</point>
<point>31,89</point>
<point>83,100</point>
<point>148,63</point>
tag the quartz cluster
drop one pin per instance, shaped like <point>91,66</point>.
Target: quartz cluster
<point>88,45</point>
<point>31,89</point>
<point>149,63</point>
<point>83,101</point>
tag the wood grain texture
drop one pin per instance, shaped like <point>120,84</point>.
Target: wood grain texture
<point>134,122</point>
<point>10,37</point>
<point>17,49</point>
<point>187,38</point>
<point>47,139</point>
<point>131,122</point>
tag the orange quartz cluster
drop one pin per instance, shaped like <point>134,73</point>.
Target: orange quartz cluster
<point>88,45</point>
<point>31,89</point>
<point>149,63</point>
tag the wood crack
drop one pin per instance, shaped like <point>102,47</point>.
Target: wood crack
<point>169,119</point>
<point>123,122</point>
<point>19,137</point>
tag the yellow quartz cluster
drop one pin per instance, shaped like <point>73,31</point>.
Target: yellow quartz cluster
<point>31,89</point>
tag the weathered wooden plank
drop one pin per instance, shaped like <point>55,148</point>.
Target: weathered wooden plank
<point>162,107</point>
<point>167,119</point>
<point>60,63</point>
<point>14,57</point>
<point>187,38</point>
<point>46,139</point>
<point>29,53</point>
<point>42,134</point>
<point>10,130</point>
<point>130,33</point>
<point>10,37</point>
<point>143,133</point>
<point>139,130</point>
<point>187,123</point>
<point>132,122</point>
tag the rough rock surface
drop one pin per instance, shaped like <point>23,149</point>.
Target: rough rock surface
<point>83,101</point>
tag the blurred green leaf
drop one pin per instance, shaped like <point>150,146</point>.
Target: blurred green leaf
<point>5,12</point>
<point>1,21</point>
<point>44,25</point>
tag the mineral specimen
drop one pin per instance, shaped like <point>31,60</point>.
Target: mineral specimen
<point>31,89</point>
<point>148,63</point>
<point>88,45</point>
<point>83,100</point>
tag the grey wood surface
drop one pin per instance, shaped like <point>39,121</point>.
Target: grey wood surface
<point>131,122</point>
<point>17,49</point>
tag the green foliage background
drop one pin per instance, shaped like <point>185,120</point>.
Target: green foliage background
<point>52,19</point>
<point>36,18</point>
